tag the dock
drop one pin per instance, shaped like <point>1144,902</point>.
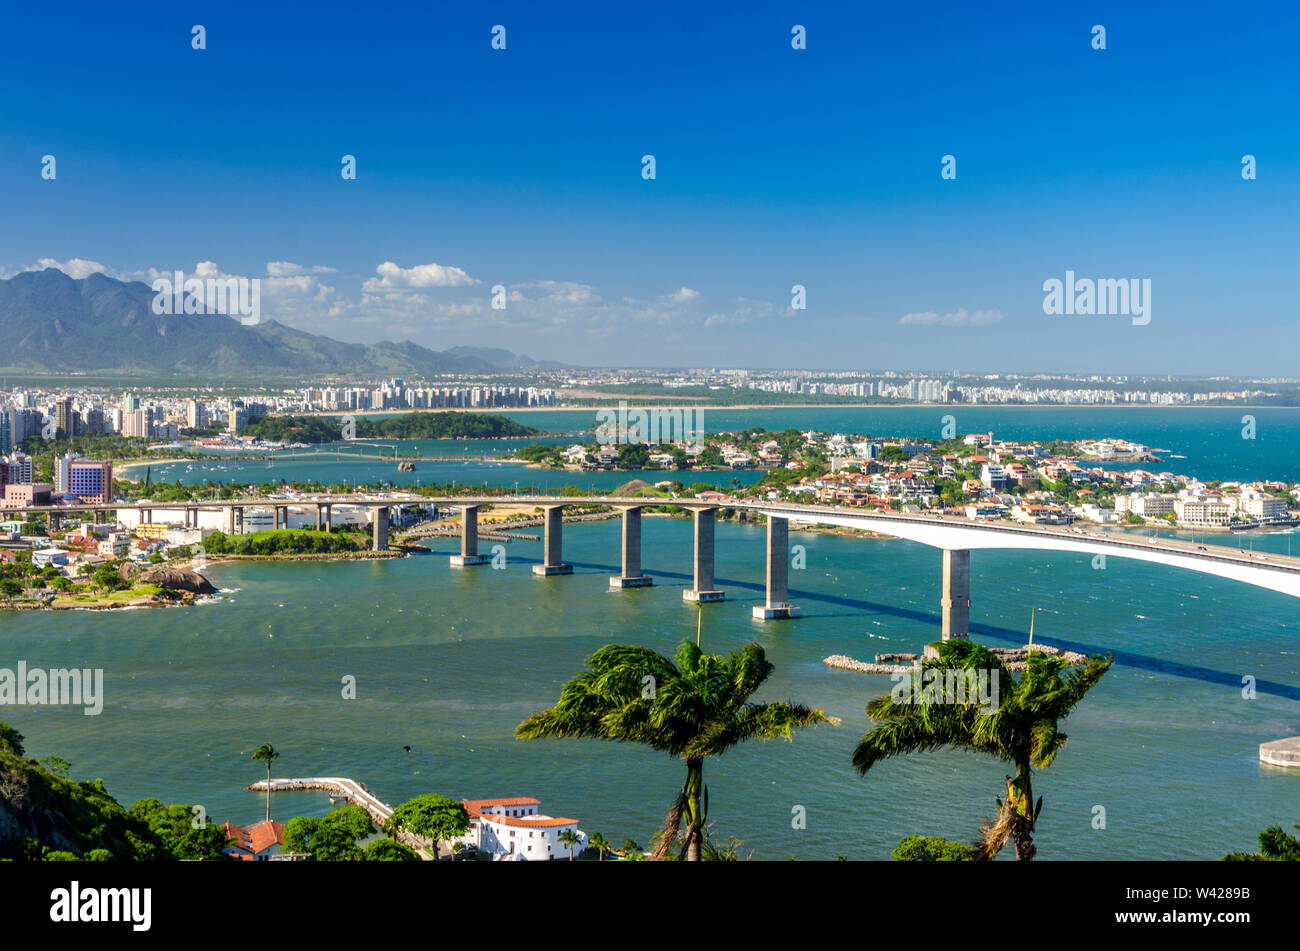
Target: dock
<point>1281,752</point>
<point>356,794</point>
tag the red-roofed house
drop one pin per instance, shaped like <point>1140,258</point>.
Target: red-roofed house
<point>256,843</point>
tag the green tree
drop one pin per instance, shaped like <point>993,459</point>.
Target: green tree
<point>431,816</point>
<point>924,848</point>
<point>332,838</point>
<point>386,850</point>
<point>570,838</point>
<point>10,739</point>
<point>693,709</point>
<point>1023,730</point>
<point>266,753</point>
<point>180,830</point>
<point>1275,845</point>
<point>600,844</point>
<point>56,764</point>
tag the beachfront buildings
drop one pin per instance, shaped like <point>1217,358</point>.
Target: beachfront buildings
<point>514,829</point>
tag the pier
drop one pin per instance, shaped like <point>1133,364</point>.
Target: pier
<point>354,793</point>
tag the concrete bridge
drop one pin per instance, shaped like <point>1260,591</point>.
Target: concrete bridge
<point>955,537</point>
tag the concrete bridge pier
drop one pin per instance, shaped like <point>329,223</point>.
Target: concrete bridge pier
<point>379,527</point>
<point>230,518</point>
<point>631,576</point>
<point>777,604</point>
<point>319,510</point>
<point>956,593</point>
<point>703,590</point>
<point>552,562</point>
<point>329,518</point>
<point>469,538</point>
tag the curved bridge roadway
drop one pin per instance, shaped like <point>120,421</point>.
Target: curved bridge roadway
<point>1276,572</point>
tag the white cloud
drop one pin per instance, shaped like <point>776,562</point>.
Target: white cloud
<point>683,296</point>
<point>957,318</point>
<point>392,277</point>
<point>75,268</point>
<point>289,269</point>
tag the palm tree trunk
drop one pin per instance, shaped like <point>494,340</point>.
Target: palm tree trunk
<point>694,814</point>
<point>1023,829</point>
<point>268,790</point>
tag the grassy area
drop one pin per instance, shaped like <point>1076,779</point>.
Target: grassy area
<point>123,596</point>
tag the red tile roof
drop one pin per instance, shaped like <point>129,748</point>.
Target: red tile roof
<point>266,834</point>
<point>475,807</point>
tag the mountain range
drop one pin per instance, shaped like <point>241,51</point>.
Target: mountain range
<point>55,323</point>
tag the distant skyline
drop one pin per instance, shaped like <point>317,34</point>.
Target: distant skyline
<point>774,167</point>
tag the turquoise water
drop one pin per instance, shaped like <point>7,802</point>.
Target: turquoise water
<point>450,660</point>
<point>1209,438</point>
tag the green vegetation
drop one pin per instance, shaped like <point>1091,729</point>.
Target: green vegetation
<point>924,848</point>
<point>449,425</point>
<point>693,709</point>
<point>430,816</point>
<point>283,541</point>
<point>386,850</point>
<point>1023,730</point>
<point>333,838</point>
<point>50,817</point>
<point>1275,845</point>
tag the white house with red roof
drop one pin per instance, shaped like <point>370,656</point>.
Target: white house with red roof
<point>514,829</point>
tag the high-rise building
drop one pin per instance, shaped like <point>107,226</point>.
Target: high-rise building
<point>90,480</point>
<point>65,418</point>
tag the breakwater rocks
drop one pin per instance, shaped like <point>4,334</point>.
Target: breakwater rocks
<point>841,662</point>
<point>1013,658</point>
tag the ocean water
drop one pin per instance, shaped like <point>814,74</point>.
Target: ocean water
<point>1206,442</point>
<point>450,660</point>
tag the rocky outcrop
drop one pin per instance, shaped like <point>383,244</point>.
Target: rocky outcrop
<point>171,577</point>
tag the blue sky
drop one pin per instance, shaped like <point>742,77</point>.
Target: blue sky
<point>775,167</point>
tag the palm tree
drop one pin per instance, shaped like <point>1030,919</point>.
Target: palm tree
<point>1021,730</point>
<point>570,838</point>
<point>600,844</point>
<point>266,752</point>
<point>695,708</point>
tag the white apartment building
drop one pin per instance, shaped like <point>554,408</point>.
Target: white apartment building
<point>1147,505</point>
<point>993,476</point>
<point>1202,510</point>
<point>1259,505</point>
